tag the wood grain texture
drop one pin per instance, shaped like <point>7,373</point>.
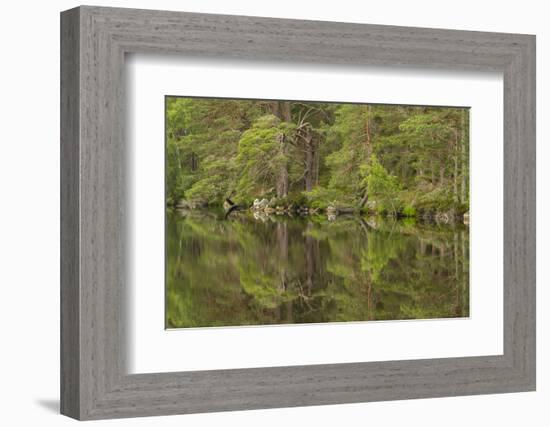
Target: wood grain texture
<point>95,275</point>
<point>70,258</point>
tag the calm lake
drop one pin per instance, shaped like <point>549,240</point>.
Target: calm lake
<point>277,270</point>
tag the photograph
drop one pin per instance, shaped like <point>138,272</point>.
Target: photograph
<point>252,214</point>
<point>295,212</point>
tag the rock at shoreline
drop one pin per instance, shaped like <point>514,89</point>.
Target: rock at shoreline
<point>444,218</point>
<point>260,204</point>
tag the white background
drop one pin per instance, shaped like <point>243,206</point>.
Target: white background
<point>29,214</point>
<point>152,349</point>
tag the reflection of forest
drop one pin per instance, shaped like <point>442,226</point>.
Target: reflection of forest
<point>247,272</point>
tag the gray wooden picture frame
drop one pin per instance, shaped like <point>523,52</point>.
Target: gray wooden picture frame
<point>94,381</point>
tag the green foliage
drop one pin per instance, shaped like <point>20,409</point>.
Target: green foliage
<point>403,160</point>
<point>409,211</point>
<point>321,197</point>
<point>345,164</point>
<point>383,186</point>
<point>260,158</point>
<point>438,200</point>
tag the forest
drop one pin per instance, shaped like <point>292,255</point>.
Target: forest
<point>312,157</point>
<point>305,212</point>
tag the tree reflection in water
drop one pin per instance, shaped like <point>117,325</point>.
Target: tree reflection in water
<point>280,270</point>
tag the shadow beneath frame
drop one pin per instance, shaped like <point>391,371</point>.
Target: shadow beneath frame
<point>52,405</point>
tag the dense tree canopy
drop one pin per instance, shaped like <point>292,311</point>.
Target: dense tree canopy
<point>405,160</point>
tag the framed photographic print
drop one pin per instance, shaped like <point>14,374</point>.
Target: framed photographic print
<point>311,212</point>
<point>262,213</point>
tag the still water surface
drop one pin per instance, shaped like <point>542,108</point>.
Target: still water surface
<point>279,270</point>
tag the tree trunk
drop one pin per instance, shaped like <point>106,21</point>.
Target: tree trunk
<point>285,113</point>
<point>282,182</point>
<point>368,151</point>
<point>368,133</point>
<point>310,160</point>
<point>455,172</point>
<point>316,162</point>
<point>179,160</point>
<point>464,159</point>
<point>457,275</point>
<point>194,163</point>
<point>364,199</point>
<point>465,275</point>
<point>282,241</point>
<point>312,257</point>
<point>282,110</point>
<point>275,110</point>
<point>455,254</point>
